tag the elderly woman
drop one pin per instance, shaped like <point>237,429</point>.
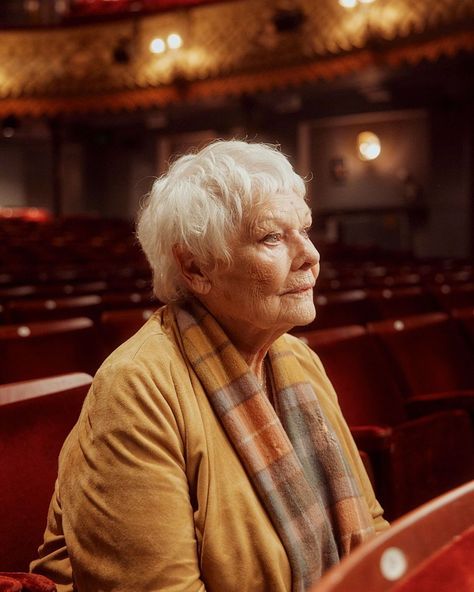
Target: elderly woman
<point>211,453</point>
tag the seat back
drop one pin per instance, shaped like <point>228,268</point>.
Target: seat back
<point>35,418</point>
<point>25,582</point>
<point>429,350</point>
<point>129,299</point>
<point>118,325</point>
<point>362,376</point>
<point>48,309</point>
<point>465,318</point>
<point>338,309</point>
<point>402,302</point>
<point>37,350</point>
<point>431,548</point>
<point>452,296</point>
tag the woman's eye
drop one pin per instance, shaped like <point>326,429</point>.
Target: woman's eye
<point>272,238</point>
<point>305,231</point>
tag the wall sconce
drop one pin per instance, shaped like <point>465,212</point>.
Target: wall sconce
<point>159,45</point>
<point>368,145</point>
<point>354,3</point>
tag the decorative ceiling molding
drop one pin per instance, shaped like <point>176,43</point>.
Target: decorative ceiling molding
<point>229,48</point>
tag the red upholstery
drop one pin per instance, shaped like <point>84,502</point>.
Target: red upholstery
<point>413,460</point>
<point>128,299</point>
<point>367,466</point>
<point>25,582</point>
<point>430,549</point>
<point>118,325</point>
<point>13,292</point>
<point>43,349</point>
<point>430,351</point>
<point>448,569</point>
<point>68,289</point>
<point>336,309</point>
<point>361,374</point>
<point>402,302</point>
<point>48,309</point>
<point>452,296</point>
<point>34,421</point>
<point>465,317</point>
<point>9,584</point>
<point>392,279</point>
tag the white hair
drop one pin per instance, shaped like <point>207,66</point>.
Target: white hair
<point>201,201</point>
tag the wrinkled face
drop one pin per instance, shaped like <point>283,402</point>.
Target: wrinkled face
<point>269,285</point>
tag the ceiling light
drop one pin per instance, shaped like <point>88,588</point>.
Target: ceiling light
<point>174,41</point>
<point>348,3</point>
<point>157,45</point>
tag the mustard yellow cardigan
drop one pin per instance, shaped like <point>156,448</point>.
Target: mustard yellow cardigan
<point>150,493</point>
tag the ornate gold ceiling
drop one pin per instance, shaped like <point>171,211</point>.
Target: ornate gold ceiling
<point>228,48</point>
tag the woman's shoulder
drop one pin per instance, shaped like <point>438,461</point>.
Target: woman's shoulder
<point>152,347</point>
<point>141,373</point>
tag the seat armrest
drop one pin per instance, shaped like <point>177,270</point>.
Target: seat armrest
<point>444,401</point>
<point>372,438</point>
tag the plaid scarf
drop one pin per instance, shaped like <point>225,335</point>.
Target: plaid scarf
<point>289,450</point>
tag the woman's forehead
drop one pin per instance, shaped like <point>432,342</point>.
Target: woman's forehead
<point>280,207</point>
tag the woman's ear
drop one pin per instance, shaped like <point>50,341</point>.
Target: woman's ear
<point>192,272</point>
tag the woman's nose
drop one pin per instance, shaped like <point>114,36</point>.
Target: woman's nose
<point>307,255</point>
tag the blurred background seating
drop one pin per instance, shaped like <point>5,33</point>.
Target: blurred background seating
<point>413,458</point>
<point>35,418</point>
<point>82,142</point>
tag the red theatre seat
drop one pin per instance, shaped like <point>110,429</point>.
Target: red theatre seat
<point>25,582</point>
<point>465,318</point>
<point>402,302</point>
<point>452,296</point>
<point>428,550</point>
<point>430,351</point>
<point>43,349</point>
<point>434,359</point>
<point>337,309</point>
<point>35,418</point>
<point>413,459</point>
<point>129,299</point>
<point>116,326</point>
<point>48,309</point>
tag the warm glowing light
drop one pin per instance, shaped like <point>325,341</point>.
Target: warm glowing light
<point>8,132</point>
<point>353,3</point>
<point>157,45</point>
<point>369,146</point>
<point>31,5</point>
<point>174,41</point>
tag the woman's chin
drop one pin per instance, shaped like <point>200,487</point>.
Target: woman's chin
<point>304,315</point>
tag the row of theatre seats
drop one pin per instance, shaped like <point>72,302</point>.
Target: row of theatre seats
<point>429,548</point>
<point>405,385</point>
<point>396,338</point>
<point>34,302</point>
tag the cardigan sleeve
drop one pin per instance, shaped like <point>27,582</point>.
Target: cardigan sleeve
<point>122,496</point>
